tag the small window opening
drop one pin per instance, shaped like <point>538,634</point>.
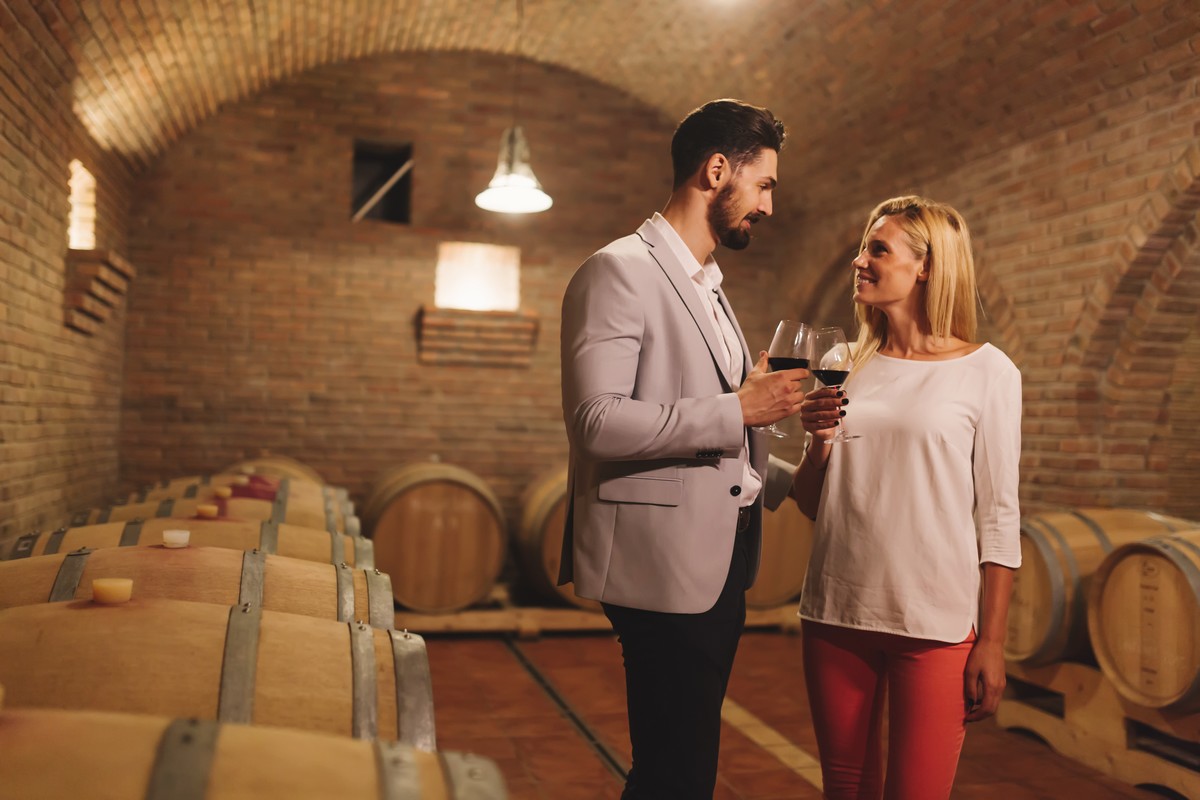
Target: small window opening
<point>81,228</point>
<point>382,187</point>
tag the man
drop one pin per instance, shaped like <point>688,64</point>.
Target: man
<point>666,484</point>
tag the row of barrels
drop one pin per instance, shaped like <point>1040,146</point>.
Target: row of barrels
<point>1117,585</point>
<point>227,671</point>
<point>441,532</point>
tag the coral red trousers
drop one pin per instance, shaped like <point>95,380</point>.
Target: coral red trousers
<point>849,673</point>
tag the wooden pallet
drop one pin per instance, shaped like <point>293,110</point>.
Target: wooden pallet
<point>501,616</point>
<point>1076,710</point>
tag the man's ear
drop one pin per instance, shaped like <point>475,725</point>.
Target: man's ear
<point>716,172</point>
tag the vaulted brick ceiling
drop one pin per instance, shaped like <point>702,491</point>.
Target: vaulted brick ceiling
<point>897,78</point>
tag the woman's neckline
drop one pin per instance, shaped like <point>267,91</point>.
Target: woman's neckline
<point>951,360</point>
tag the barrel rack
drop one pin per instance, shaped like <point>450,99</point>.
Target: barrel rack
<point>1075,709</point>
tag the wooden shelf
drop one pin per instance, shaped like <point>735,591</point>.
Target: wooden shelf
<point>452,336</point>
<point>97,282</point>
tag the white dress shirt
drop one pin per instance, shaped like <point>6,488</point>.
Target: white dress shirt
<point>706,278</point>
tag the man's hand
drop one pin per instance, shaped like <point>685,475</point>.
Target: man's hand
<point>768,397</point>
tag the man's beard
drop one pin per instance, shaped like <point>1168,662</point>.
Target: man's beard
<point>721,219</point>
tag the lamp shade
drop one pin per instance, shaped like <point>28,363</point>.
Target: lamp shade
<point>514,189</point>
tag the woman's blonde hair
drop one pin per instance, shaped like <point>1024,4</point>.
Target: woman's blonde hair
<point>938,234</point>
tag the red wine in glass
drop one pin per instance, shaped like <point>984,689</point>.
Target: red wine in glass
<point>789,350</point>
<point>831,354</point>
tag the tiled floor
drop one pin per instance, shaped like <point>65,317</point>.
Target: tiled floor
<point>488,703</point>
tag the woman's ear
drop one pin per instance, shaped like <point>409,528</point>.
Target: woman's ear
<point>923,275</point>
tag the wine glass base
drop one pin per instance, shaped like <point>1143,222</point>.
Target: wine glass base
<point>771,430</point>
<point>846,437</point>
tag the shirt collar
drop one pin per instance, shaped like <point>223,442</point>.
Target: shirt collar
<point>707,275</point>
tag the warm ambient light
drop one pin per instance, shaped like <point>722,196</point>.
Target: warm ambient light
<point>514,188</point>
<point>81,230</point>
<point>479,277</point>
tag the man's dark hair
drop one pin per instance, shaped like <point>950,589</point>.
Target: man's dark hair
<point>735,129</point>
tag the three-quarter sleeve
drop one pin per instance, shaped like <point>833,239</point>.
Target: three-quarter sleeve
<point>997,456</point>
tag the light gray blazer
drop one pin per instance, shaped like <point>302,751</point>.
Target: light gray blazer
<point>655,431</point>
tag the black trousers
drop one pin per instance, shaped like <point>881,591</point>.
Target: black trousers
<point>677,668</point>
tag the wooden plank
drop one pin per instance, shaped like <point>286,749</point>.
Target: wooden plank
<point>533,621</point>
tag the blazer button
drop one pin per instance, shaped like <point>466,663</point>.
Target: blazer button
<point>735,490</point>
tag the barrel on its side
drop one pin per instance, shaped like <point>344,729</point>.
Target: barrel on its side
<point>229,664</point>
<point>787,540</point>
<point>292,541</point>
<point>540,536</point>
<point>68,754</point>
<point>279,466</point>
<point>1060,551</point>
<point>439,532</point>
<point>1144,620</point>
<point>206,575</point>
<point>254,485</point>
<point>308,512</point>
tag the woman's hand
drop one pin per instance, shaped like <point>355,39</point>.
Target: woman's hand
<point>983,679</point>
<point>822,411</point>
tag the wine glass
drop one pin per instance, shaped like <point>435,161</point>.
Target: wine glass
<point>789,350</point>
<point>831,355</point>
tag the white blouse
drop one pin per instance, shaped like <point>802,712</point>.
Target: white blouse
<point>909,510</point>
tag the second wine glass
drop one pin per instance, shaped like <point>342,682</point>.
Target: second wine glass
<point>789,350</point>
<point>832,363</point>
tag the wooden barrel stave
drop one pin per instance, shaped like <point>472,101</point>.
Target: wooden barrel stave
<point>439,532</point>
<point>65,754</point>
<point>178,658</point>
<point>279,466</point>
<point>206,575</point>
<point>292,541</point>
<point>1144,620</point>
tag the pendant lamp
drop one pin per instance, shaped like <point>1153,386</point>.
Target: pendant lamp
<point>514,189</point>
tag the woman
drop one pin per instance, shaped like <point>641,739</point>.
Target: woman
<point>910,517</point>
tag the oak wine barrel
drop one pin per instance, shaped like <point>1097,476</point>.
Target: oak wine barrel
<point>263,487</point>
<point>540,535</point>
<point>787,540</point>
<point>439,532</point>
<point>292,541</point>
<point>1144,620</point>
<point>1060,551</point>
<point>230,664</point>
<point>107,756</point>
<point>279,466</point>
<point>206,575</point>
<point>308,512</point>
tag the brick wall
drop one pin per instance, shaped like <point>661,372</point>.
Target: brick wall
<point>264,319</point>
<point>59,390</point>
<point>1086,243</point>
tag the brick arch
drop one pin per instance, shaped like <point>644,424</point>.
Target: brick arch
<point>1135,339</point>
<point>1157,225</point>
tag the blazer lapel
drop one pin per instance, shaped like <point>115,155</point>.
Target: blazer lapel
<point>747,361</point>
<point>661,253</point>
